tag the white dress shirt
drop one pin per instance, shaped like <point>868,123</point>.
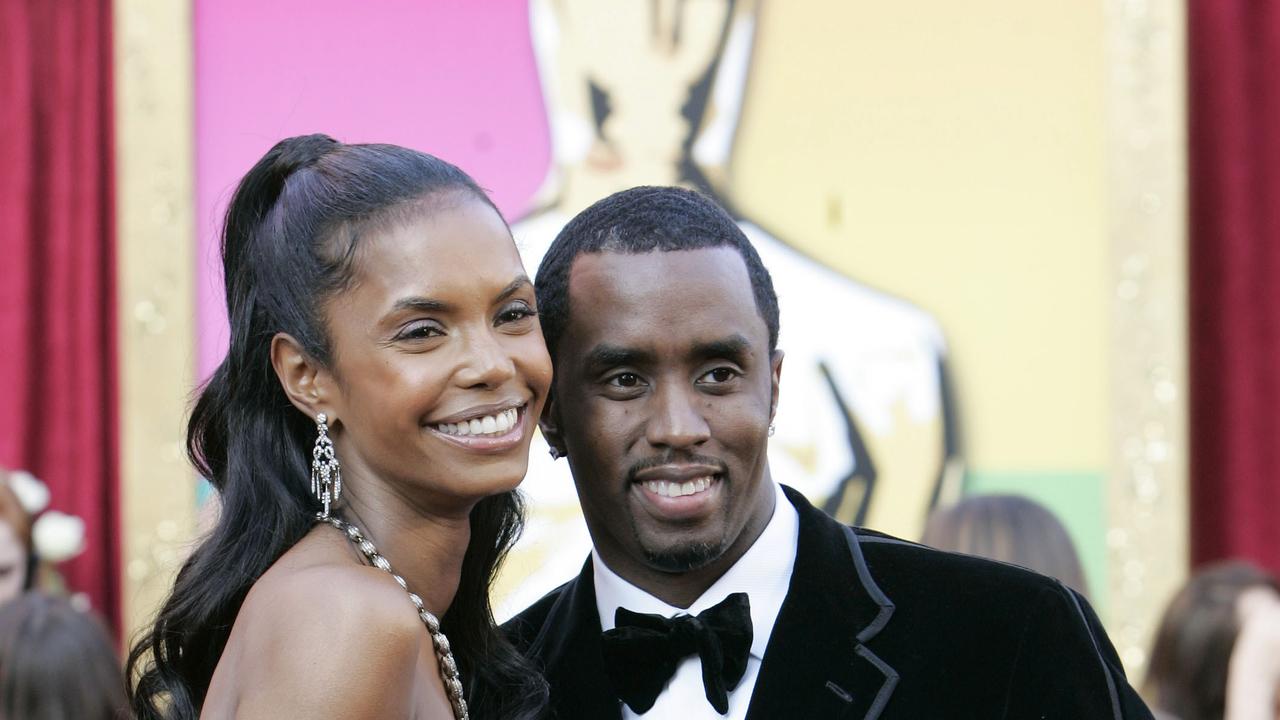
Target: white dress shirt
<point>763,572</point>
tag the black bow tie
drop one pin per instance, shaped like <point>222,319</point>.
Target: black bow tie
<point>641,653</point>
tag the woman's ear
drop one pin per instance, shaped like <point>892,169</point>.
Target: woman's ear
<point>307,383</point>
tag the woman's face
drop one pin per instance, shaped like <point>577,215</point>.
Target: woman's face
<point>13,562</point>
<point>15,529</point>
<point>438,358</point>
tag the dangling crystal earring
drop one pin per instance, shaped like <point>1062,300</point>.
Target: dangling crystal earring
<point>326,474</point>
<point>554,452</point>
<point>772,429</point>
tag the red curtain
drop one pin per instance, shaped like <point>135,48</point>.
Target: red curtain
<point>57,271</point>
<point>1234,95</point>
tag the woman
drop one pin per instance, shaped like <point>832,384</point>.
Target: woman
<point>1011,529</point>
<point>17,555</point>
<point>1216,654</point>
<point>33,539</point>
<point>385,373</point>
<point>57,663</point>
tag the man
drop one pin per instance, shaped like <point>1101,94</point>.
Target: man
<point>713,591</point>
<point>868,428</point>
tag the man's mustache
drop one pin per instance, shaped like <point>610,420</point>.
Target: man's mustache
<point>676,459</point>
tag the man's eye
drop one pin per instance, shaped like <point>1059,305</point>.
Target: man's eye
<point>719,375</point>
<point>625,380</point>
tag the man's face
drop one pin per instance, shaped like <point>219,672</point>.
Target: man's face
<point>665,387</point>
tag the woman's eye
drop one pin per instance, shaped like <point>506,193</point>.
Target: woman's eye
<point>516,312</point>
<point>420,331</point>
<point>719,375</point>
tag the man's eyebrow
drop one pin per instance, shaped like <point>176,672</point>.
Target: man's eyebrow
<point>733,347</point>
<point>606,356</point>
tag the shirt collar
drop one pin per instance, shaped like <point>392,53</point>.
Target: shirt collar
<point>763,572</point>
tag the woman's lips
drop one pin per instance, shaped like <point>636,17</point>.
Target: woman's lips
<point>493,433</point>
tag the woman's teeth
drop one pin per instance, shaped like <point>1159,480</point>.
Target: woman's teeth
<point>497,424</point>
<point>675,489</point>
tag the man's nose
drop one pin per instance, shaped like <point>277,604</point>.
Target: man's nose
<point>677,421</point>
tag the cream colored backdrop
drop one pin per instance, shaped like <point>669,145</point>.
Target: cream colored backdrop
<point>954,154</point>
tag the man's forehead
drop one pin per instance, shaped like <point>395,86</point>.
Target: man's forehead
<point>681,296</point>
<point>653,273</point>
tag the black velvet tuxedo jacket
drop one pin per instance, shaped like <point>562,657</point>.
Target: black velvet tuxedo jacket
<point>876,627</point>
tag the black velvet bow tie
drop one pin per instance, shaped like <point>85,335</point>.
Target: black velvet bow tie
<point>642,652</point>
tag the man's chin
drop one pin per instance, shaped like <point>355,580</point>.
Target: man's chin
<point>684,558</point>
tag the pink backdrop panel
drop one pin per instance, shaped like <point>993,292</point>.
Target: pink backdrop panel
<point>453,78</point>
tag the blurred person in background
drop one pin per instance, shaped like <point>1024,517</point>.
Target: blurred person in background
<point>1217,650</point>
<point>32,538</point>
<point>1009,528</point>
<point>17,556</point>
<point>57,663</point>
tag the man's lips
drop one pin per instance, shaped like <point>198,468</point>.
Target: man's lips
<point>677,473</point>
<point>679,490</point>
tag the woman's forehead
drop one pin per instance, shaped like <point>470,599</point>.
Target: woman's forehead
<point>459,247</point>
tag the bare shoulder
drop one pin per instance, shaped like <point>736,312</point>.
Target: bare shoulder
<point>323,638</point>
<point>321,604</point>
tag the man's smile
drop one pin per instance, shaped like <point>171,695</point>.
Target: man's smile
<point>679,493</point>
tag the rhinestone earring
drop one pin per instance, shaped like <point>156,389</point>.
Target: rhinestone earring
<point>772,429</point>
<point>554,452</point>
<point>326,474</point>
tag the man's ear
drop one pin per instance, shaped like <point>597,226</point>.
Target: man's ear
<point>775,360</point>
<point>308,384</point>
<point>549,424</point>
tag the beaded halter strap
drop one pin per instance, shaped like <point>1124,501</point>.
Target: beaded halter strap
<point>444,654</point>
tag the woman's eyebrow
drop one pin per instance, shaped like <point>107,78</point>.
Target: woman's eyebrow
<point>513,287</point>
<point>419,303</point>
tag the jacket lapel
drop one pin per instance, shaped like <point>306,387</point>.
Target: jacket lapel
<point>818,663</point>
<point>569,646</point>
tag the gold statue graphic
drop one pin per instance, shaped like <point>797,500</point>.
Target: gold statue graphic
<point>650,93</point>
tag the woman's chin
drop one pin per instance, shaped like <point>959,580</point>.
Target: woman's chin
<point>479,483</point>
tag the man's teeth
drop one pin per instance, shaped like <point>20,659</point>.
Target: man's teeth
<point>497,424</point>
<point>675,489</point>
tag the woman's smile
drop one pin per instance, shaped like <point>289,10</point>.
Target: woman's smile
<point>484,431</point>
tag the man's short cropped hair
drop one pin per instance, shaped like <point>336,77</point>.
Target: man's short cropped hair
<point>642,220</point>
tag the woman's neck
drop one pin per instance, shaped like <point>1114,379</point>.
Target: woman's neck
<point>425,548</point>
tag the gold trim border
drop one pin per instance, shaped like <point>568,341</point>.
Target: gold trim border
<point>1147,535</point>
<point>155,174</point>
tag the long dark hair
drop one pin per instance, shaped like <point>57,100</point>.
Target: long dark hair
<point>1008,528</point>
<point>57,663</point>
<point>1187,676</point>
<point>290,235</point>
